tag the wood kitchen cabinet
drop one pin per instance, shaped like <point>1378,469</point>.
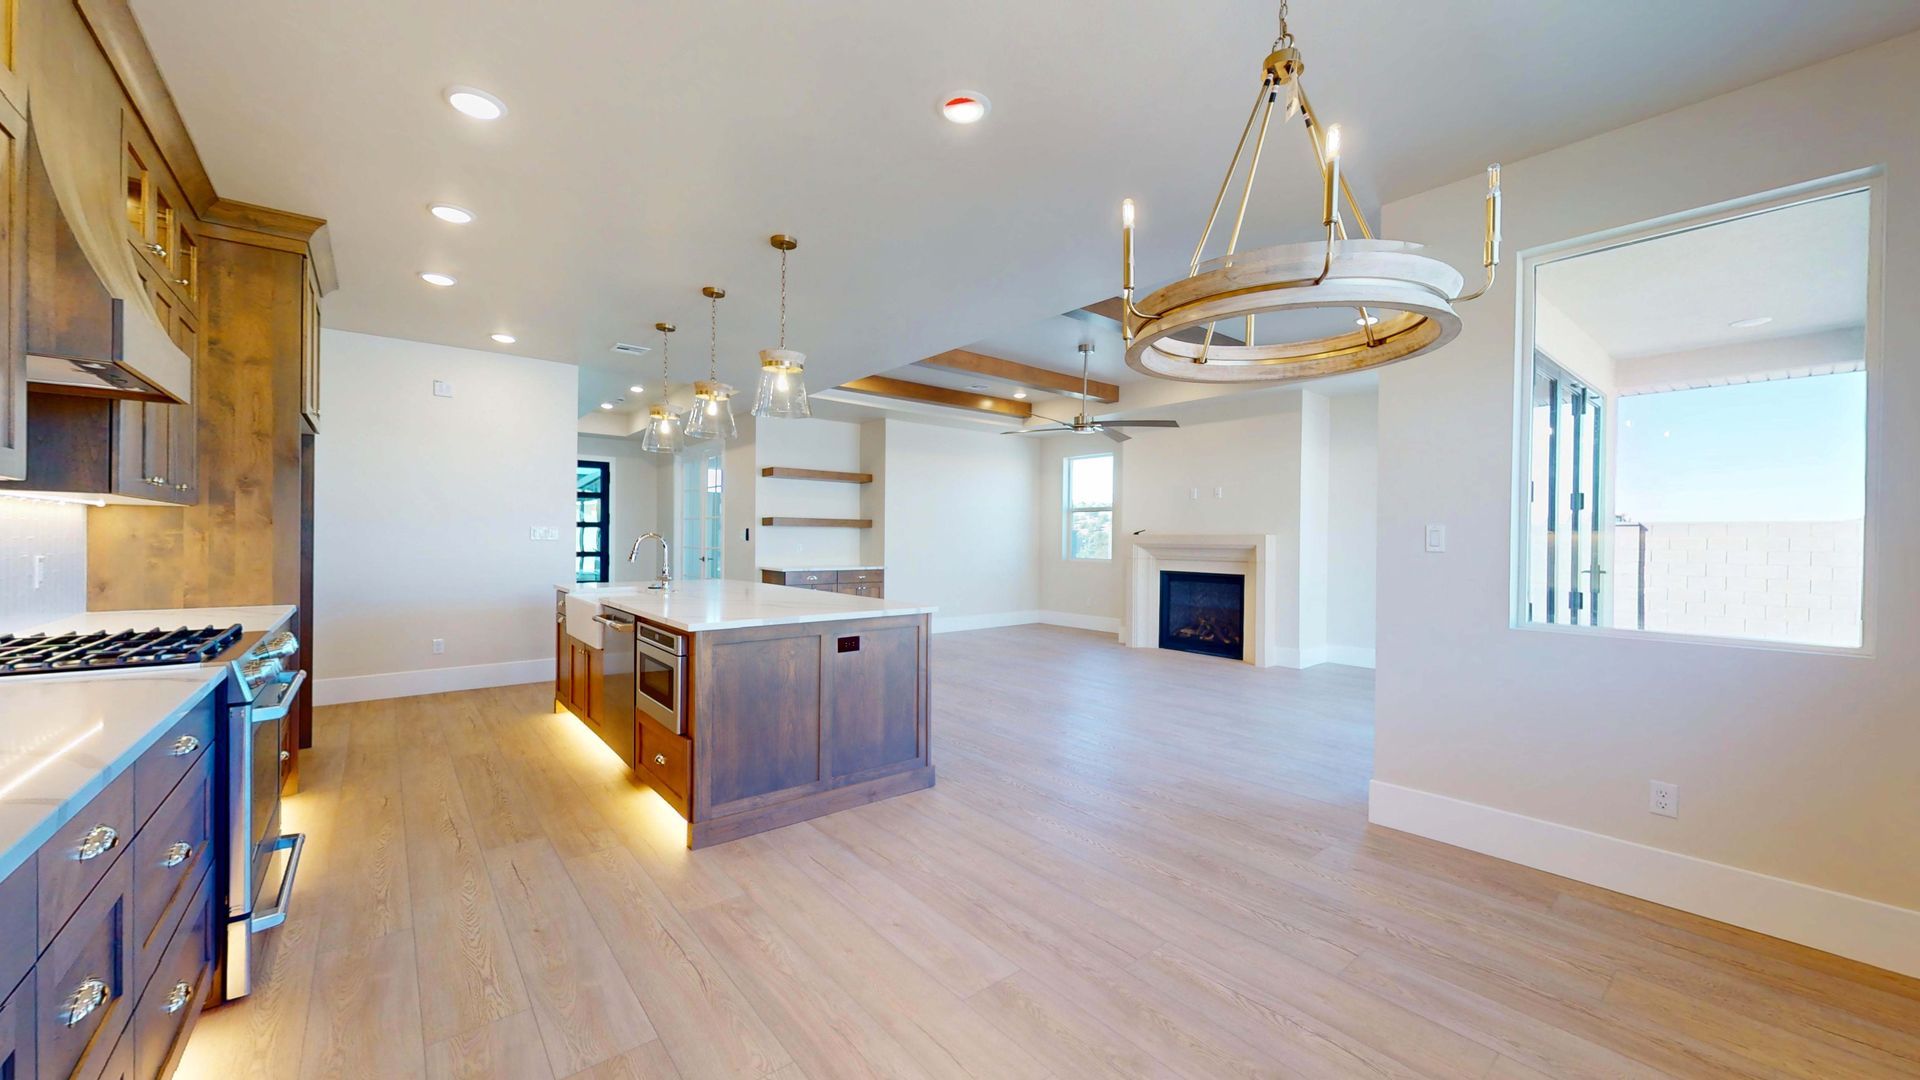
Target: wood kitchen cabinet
<point>156,447</point>
<point>13,359</point>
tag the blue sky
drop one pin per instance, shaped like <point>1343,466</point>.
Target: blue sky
<point>1787,450</point>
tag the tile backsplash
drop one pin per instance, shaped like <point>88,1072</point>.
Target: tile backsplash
<point>54,533</point>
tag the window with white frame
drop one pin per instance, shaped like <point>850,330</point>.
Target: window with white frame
<point>1088,489</point>
<point>1694,426</point>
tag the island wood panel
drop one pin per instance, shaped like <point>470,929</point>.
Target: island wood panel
<point>761,714</point>
<point>17,1056</point>
<point>819,523</point>
<point>780,731</point>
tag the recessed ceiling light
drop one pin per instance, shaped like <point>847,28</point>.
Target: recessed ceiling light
<point>1020,395</point>
<point>435,278</point>
<point>505,339</point>
<point>606,404</point>
<point>451,214</point>
<point>966,108</point>
<point>636,388</point>
<point>1366,320</point>
<point>978,388</point>
<point>1748,324</point>
<point>476,103</point>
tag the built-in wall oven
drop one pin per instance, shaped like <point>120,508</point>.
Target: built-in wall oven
<point>261,692</point>
<point>660,676</point>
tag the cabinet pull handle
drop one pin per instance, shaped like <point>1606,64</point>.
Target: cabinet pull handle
<point>99,840</point>
<point>182,282</point>
<point>177,854</point>
<point>88,996</point>
<point>158,249</point>
<point>177,997</point>
<point>159,481</point>
<point>184,745</point>
<point>659,759</point>
<point>179,487</point>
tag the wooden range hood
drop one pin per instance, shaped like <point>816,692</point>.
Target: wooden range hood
<point>89,328</point>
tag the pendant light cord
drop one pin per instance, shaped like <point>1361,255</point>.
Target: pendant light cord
<point>783,298</point>
<point>666,353</point>
<point>1285,37</point>
<point>713,338</point>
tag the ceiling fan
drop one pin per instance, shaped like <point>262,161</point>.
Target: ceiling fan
<point>1082,424</point>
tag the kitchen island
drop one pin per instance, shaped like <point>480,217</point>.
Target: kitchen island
<point>749,706</point>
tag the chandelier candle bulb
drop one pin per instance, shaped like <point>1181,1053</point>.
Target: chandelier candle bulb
<point>1329,203</point>
<point>1126,245</point>
<point>1492,248</point>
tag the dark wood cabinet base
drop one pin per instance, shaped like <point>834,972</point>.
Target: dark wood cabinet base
<point>806,807</point>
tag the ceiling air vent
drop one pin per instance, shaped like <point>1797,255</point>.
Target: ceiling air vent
<point>631,350</point>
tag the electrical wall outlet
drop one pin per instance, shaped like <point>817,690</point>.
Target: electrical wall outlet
<point>535,532</point>
<point>1193,493</point>
<point>1436,538</point>
<point>39,570</point>
<point>1663,798</point>
<point>439,645</point>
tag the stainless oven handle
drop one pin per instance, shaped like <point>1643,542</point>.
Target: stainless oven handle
<point>279,711</point>
<point>267,919</point>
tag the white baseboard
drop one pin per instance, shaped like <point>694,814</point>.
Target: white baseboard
<point>342,689</point>
<point>1854,927</point>
<point>1104,623</point>
<point>1350,655</point>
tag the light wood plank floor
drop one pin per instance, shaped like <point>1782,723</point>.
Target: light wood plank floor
<point>1135,863</point>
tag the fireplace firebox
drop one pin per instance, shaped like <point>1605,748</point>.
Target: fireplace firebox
<point>1203,613</point>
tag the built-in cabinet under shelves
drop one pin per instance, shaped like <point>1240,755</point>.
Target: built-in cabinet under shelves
<point>864,581</point>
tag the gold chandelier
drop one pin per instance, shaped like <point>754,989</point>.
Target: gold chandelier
<point>1404,300</point>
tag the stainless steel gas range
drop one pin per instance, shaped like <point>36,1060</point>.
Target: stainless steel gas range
<point>257,863</point>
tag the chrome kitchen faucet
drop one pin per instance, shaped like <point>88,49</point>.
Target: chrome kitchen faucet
<point>666,558</point>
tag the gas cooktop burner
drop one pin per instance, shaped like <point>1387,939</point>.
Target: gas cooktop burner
<point>103,651</point>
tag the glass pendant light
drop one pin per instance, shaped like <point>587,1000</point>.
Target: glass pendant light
<point>663,435</point>
<point>711,413</point>
<point>783,383</point>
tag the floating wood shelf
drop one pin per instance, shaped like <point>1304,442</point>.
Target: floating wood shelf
<point>820,523</point>
<point>781,472</point>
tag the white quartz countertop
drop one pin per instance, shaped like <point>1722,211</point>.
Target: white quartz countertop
<point>694,606</point>
<point>264,617</point>
<point>64,738</point>
<point>816,569</point>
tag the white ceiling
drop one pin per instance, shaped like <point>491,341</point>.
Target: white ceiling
<point>1804,267</point>
<point>650,149</point>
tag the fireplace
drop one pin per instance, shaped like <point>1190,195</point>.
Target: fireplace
<point>1203,613</point>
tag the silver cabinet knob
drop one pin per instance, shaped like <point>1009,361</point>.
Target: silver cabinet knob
<point>177,854</point>
<point>88,996</point>
<point>659,759</point>
<point>184,745</point>
<point>182,282</point>
<point>158,249</point>
<point>177,997</point>
<point>179,487</point>
<point>99,840</point>
<point>157,481</point>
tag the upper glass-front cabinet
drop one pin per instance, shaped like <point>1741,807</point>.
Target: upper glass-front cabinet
<point>1694,443</point>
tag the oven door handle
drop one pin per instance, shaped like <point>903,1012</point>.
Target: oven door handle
<point>267,919</point>
<point>279,710</point>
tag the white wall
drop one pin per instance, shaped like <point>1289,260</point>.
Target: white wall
<point>642,483</point>
<point>56,533</point>
<point>423,507</point>
<point>960,523</point>
<point>807,444</point>
<point>1087,592</point>
<point>1797,770</point>
<point>1352,524</point>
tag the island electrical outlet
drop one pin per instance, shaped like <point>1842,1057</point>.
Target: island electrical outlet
<point>1663,798</point>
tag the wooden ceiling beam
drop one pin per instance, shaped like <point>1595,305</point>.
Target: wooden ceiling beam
<point>1023,375</point>
<point>1110,309</point>
<point>906,390</point>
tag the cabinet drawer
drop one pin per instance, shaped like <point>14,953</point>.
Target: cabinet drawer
<point>868,589</point>
<point>83,981</point>
<point>173,999</point>
<point>19,932</point>
<point>666,757</point>
<point>849,576</point>
<point>166,761</point>
<point>16,1033</point>
<point>810,577</point>
<point>170,853</point>
<point>79,855</point>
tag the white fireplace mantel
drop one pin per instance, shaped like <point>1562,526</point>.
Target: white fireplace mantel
<point>1256,556</point>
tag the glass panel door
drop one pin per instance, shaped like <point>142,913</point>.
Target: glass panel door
<point>1567,575</point>
<point>702,502</point>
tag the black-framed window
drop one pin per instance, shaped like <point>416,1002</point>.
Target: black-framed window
<point>593,519</point>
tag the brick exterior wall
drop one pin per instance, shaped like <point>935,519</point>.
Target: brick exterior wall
<point>1793,581</point>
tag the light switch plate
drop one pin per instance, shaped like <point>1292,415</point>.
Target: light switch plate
<point>442,388</point>
<point>1437,538</point>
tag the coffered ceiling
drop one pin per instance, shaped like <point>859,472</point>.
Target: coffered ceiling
<point>651,148</point>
